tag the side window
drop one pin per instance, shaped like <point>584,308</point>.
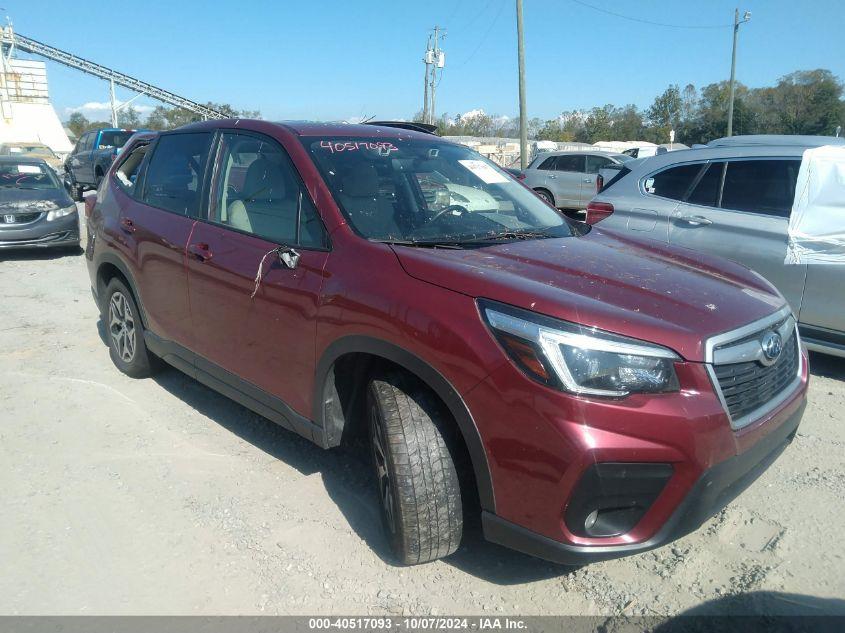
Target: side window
<point>548,164</point>
<point>706,192</point>
<point>85,143</point>
<point>127,173</point>
<point>673,183</point>
<point>594,163</point>
<point>175,173</point>
<point>760,186</point>
<point>259,191</point>
<point>570,163</point>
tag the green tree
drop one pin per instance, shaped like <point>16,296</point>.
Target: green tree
<point>78,123</point>
<point>599,124</point>
<point>129,118</point>
<point>664,115</point>
<point>628,124</point>
<point>808,102</point>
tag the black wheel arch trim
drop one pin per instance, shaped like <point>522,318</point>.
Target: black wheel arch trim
<point>117,262</point>
<point>326,411</point>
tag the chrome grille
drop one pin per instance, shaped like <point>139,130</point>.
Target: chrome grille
<point>20,218</point>
<point>748,386</point>
<point>749,382</point>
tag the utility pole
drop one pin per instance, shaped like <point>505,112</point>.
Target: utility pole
<point>113,104</point>
<point>427,59</point>
<point>523,116</point>
<point>435,58</point>
<point>745,18</point>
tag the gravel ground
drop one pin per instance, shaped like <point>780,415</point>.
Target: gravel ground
<point>160,496</point>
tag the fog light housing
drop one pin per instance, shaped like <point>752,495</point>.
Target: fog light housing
<point>611,498</point>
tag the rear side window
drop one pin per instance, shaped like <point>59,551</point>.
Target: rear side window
<point>175,173</point>
<point>706,192</point>
<point>594,163</point>
<point>760,186</point>
<point>547,164</point>
<point>570,163</point>
<point>619,176</point>
<point>673,183</point>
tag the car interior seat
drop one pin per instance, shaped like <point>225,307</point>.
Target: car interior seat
<point>372,214</point>
<point>267,205</point>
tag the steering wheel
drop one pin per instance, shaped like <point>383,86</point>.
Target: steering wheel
<point>450,209</point>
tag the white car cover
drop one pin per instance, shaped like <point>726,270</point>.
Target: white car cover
<point>817,223</point>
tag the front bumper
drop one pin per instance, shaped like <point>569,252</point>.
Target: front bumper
<point>715,489</point>
<point>42,234</point>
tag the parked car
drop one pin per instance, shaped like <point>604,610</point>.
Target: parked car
<point>35,209</point>
<point>93,155</point>
<point>596,396</point>
<point>732,199</point>
<point>34,150</point>
<point>567,180</point>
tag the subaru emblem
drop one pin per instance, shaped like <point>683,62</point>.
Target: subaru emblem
<point>772,345</point>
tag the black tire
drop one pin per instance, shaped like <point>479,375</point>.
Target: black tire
<point>78,190</point>
<point>123,325</point>
<point>545,195</point>
<point>416,478</point>
<point>98,178</point>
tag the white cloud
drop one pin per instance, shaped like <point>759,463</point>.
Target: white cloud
<point>99,108</point>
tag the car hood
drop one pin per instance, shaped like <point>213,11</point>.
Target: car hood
<point>14,200</point>
<point>643,289</point>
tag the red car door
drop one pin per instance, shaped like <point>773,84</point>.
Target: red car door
<point>263,334</point>
<point>157,224</point>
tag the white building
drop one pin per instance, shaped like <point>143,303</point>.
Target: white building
<point>26,114</point>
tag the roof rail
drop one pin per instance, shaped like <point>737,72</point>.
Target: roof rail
<point>776,139</point>
<point>425,128</point>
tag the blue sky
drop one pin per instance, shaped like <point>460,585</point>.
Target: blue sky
<point>334,59</point>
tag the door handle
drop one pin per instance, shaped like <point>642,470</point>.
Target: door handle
<point>127,225</point>
<point>588,180</point>
<point>200,251</point>
<point>696,220</point>
<point>552,176</point>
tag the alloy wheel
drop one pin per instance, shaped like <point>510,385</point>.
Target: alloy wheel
<point>122,327</point>
<point>385,485</point>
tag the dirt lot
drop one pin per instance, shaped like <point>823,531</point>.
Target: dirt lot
<point>125,496</point>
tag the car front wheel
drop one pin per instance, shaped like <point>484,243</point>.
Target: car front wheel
<point>416,478</point>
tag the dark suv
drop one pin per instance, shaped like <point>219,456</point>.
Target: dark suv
<point>594,395</point>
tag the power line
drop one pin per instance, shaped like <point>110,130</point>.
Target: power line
<point>483,37</point>
<point>641,21</point>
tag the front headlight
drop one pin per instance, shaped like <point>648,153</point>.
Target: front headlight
<point>55,214</point>
<point>580,359</point>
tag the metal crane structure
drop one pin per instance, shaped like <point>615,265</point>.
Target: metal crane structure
<point>9,40</point>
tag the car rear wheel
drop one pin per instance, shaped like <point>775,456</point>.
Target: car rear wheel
<point>125,332</point>
<point>545,195</point>
<point>417,481</point>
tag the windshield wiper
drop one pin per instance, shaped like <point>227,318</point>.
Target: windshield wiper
<point>423,243</point>
<point>510,235</point>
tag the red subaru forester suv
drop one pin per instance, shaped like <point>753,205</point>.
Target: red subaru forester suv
<point>594,395</point>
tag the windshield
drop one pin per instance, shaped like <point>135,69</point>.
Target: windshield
<point>421,190</point>
<point>31,150</point>
<point>27,176</point>
<point>114,138</point>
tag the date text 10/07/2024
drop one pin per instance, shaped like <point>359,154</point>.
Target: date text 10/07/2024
<point>426,623</point>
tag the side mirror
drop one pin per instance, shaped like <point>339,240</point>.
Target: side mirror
<point>288,256</point>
